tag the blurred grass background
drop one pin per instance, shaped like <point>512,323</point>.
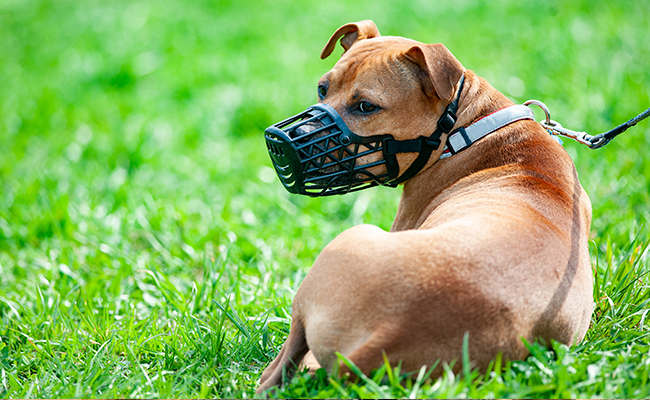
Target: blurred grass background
<point>146,246</point>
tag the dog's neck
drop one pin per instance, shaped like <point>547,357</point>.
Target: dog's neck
<point>420,192</point>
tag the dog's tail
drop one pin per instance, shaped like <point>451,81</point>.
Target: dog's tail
<point>288,359</point>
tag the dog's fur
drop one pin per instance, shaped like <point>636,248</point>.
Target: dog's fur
<point>492,241</point>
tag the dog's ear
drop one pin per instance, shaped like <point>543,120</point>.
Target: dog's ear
<point>351,33</point>
<point>441,69</point>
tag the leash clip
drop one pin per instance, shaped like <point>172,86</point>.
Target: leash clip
<point>556,129</point>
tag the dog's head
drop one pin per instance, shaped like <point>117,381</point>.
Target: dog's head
<point>382,91</point>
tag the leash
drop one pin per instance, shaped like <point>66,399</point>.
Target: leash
<point>593,142</point>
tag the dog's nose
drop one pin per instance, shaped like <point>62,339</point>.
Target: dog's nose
<point>303,130</point>
<point>306,127</point>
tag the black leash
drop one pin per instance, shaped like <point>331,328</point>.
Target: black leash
<point>599,141</point>
<point>593,142</point>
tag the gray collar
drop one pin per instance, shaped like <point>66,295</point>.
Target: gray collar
<point>462,138</point>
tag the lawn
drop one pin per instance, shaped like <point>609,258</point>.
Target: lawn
<point>148,250</point>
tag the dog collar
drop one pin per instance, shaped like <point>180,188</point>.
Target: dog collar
<point>461,138</point>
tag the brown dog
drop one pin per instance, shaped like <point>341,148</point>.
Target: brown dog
<point>491,241</point>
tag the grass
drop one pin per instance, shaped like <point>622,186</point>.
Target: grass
<point>147,249</point>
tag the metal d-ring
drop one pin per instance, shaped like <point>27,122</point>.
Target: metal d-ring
<point>543,107</point>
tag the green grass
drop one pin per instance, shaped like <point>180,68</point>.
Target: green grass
<point>147,249</point>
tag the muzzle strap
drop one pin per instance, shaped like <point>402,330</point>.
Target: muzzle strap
<point>394,147</point>
<point>403,146</point>
<point>427,145</point>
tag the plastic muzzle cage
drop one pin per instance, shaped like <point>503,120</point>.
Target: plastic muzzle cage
<point>314,153</point>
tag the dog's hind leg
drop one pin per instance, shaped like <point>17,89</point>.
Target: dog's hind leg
<point>310,363</point>
<point>289,357</point>
<point>370,354</point>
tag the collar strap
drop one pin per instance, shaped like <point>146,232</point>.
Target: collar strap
<point>425,145</point>
<point>462,138</point>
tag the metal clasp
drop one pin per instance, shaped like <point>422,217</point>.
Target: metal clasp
<point>557,129</point>
<point>554,127</point>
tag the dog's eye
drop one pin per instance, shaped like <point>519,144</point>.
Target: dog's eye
<point>366,107</point>
<point>322,91</point>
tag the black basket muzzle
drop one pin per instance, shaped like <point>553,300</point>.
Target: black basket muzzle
<point>314,153</point>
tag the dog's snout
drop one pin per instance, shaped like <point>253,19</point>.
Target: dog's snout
<point>303,130</point>
<point>306,128</point>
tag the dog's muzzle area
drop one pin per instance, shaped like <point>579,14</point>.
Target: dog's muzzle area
<point>315,154</point>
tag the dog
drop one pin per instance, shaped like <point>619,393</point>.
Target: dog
<point>489,242</point>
